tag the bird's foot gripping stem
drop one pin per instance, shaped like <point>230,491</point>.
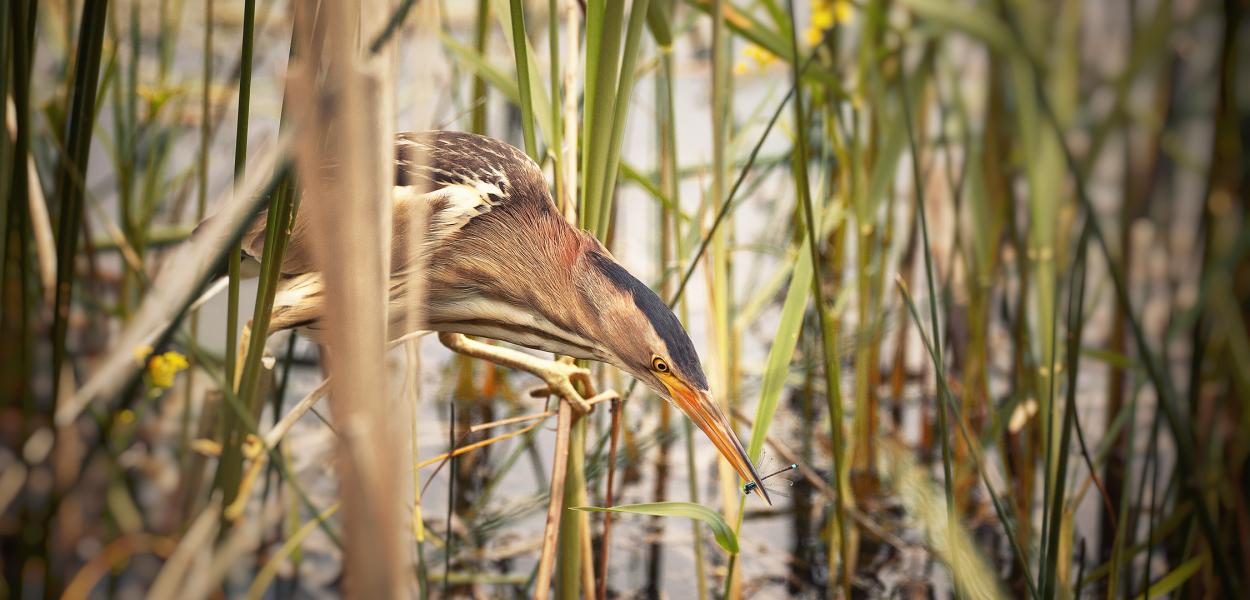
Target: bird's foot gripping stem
<point>559,375</point>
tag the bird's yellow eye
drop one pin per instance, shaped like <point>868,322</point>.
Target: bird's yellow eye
<point>658,365</point>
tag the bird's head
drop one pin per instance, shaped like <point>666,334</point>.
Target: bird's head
<point>641,335</point>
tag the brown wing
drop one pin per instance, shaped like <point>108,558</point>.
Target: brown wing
<point>456,177</point>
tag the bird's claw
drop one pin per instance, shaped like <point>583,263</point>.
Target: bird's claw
<point>560,377</point>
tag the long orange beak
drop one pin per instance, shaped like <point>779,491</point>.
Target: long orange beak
<point>705,413</point>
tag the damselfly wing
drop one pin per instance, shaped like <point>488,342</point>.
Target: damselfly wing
<point>776,482</point>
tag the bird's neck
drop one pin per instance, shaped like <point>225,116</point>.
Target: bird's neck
<point>527,289</point>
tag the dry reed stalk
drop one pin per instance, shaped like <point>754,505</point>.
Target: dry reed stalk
<point>559,463</point>
<point>111,557</point>
<point>349,210</point>
<point>301,408</point>
<point>601,591</point>
<point>243,540</point>
<point>511,421</point>
<point>572,13</point>
<point>280,429</point>
<point>413,316</point>
<point>462,450</point>
<point>194,548</point>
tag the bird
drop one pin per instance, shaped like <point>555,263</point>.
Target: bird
<point>498,260</point>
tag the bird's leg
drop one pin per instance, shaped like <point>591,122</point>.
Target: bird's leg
<point>558,375</point>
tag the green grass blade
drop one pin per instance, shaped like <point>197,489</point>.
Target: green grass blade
<point>978,23</point>
<point>720,529</point>
<point>229,469</point>
<point>658,14</point>
<point>624,91</point>
<point>603,42</point>
<point>1175,579</point>
<point>752,29</point>
<point>521,56</point>
<point>279,224</point>
<point>481,29</point>
<point>828,337</point>
<point>500,79</point>
<point>1167,527</point>
<point>292,546</point>
<point>248,424</point>
<point>72,173</point>
<point>777,366</point>
<point>16,356</point>
<point>491,74</point>
<point>1056,502</point>
<point>939,365</point>
<point>632,174</point>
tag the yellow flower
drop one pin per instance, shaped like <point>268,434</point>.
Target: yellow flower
<point>825,14</point>
<point>813,35</point>
<point>842,11</point>
<point>822,17</point>
<point>163,367</point>
<point>741,68</point>
<point>761,56</point>
<point>141,354</point>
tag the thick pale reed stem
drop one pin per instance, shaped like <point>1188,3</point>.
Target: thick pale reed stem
<point>350,212</point>
<point>559,462</point>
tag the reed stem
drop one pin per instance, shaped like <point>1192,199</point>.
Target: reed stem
<point>833,385</point>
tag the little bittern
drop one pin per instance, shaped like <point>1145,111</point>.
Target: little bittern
<point>501,262</point>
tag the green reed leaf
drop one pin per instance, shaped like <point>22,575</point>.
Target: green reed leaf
<point>720,529</point>
<point>1175,579</point>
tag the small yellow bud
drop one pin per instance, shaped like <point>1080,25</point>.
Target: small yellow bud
<point>206,447</point>
<point>125,417</point>
<point>163,367</point>
<point>823,19</point>
<point>813,36</point>
<point>761,56</point>
<point>843,10</point>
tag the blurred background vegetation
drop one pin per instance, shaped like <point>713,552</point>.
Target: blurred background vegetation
<point>978,267</point>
